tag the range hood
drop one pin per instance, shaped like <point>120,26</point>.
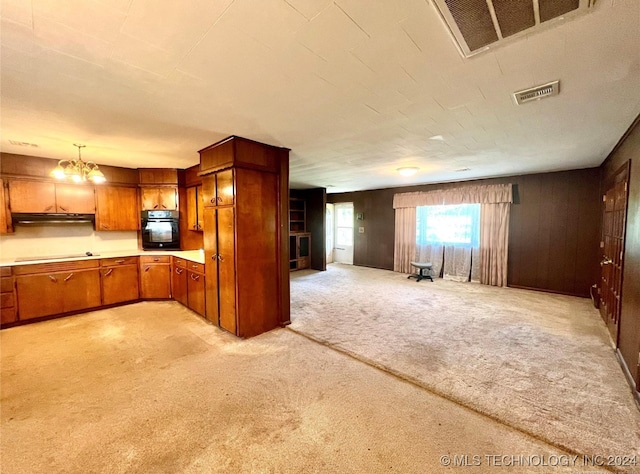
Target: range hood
<point>52,219</point>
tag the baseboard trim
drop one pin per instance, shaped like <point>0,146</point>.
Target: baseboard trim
<point>545,290</point>
<point>629,377</point>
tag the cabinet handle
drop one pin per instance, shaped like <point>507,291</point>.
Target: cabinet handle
<point>195,277</point>
<point>155,207</point>
<point>147,269</point>
<point>48,208</point>
<point>109,272</point>
<point>163,206</point>
<point>104,226</point>
<point>214,256</point>
<point>64,209</point>
<point>53,279</point>
<point>213,200</point>
<point>69,277</point>
<point>179,271</point>
<point>119,261</point>
<point>156,259</point>
<point>219,199</point>
<point>220,258</point>
<point>194,267</point>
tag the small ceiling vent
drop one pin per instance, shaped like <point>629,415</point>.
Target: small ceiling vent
<point>477,25</point>
<point>538,92</point>
<point>19,143</point>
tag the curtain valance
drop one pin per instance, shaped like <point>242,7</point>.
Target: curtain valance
<point>485,194</point>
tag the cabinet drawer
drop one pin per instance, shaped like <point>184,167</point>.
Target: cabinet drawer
<point>6,300</point>
<point>112,262</point>
<point>180,262</point>
<point>7,315</point>
<point>155,259</point>
<point>55,267</point>
<point>196,267</point>
<point>6,284</point>
<point>5,271</point>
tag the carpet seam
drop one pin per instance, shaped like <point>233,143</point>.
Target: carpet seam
<point>419,384</point>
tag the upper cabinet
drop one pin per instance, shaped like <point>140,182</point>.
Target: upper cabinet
<point>42,197</point>
<point>158,176</point>
<point>117,208</point>
<point>195,208</point>
<point>5,227</point>
<point>236,151</point>
<point>159,199</point>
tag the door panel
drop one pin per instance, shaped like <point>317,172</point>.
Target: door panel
<point>225,187</point>
<point>32,196</point>
<point>211,264</point>
<point>119,284</point>
<point>226,269</point>
<point>40,295</point>
<point>613,235</point>
<point>81,290</point>
<point>209,190</point>
<point>75,198</point>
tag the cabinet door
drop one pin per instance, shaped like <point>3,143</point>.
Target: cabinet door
<point>32,196</point>
<point>119,284</point>
<point>117,208</point>
<point>4,228</point>
<point>225,187</point>
<point>150,199</point>
<point>167,200</point>
<point>209,190</point>
<point>200,207</point>
<point>193,208</point>
<point>159,199</point>
<point>179,285</point>
<point>227,269</point>
<point>211,264</point>
<point>75,198</point>
<point>40,295</point>
<point>81,290</point>
<point>155,281</point>
<point>196,292</point>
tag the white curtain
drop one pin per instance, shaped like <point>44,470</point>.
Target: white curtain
<point>494,243</point>
<point>404,248</point>
<point>457,263</point>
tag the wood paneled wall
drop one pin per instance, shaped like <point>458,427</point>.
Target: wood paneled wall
<point>554,229</point>
<point>629,338</point>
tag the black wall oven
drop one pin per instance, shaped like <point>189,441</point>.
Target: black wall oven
<point>160,230</point>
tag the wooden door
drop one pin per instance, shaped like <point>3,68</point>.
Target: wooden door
<point>4,224</point>
<point>612,246</point>
<point>209,190</point>
<point>196,292</point>
<point>227,269</point>
<point>117,208</point>
<point>40,295</point>
<point>81,290</point>
<point>225,188</point>
<point>211,264</point>
<point>32,196</point>
<point>179,285</point>
<point>119,284</point>
<point>194,208</point>
<point>155,281</point>
<point>75,198</point>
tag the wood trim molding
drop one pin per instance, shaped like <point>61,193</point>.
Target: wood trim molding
<point>636,122</point>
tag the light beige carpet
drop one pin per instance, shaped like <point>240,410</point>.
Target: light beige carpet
<point>537,361</point>
<point>152,388</point>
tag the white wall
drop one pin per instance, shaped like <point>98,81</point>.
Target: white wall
<point>52,240</point>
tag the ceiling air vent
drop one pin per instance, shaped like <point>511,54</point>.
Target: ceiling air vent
<point>477,25</point>
<point>538,92</point>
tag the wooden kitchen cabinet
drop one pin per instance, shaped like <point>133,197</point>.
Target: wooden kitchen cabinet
<point>56,288</point>
<point>243,222</point>
<point>159,199</point>
<point>158,175</point>
<point>195,206</point>
<point>179,281</point>
<point>218,188</point>
<point>119,279</point>
<point>155,277</point>
<point>5,220</point>
<point>117,208</point>
<point>7,296</point>
<point>44,197</point>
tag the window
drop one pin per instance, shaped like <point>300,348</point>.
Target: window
<point>457,225</point>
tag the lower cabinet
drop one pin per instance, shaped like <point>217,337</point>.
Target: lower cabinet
<point>55,288</point>
<point>188,283</point>
<point>7,296</point>
<point>155,277</point>
<point>119,277</point>
<point>299,251</point>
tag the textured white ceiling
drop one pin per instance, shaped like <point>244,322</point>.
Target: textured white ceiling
<point>355,88</point>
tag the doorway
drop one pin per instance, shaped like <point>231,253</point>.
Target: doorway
<point>614,217</point>
<point>330,230</point>
<point>343,235</point>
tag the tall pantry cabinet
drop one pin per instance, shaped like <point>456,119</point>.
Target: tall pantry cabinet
<point>245,193</point>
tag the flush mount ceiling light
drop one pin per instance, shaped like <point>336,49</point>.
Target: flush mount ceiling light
<point>408,171</point>
<point>77,170</point>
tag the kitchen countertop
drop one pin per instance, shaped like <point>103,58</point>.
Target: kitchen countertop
<point>196,256</point>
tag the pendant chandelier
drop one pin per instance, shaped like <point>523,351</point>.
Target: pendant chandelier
<point>78,171</point>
